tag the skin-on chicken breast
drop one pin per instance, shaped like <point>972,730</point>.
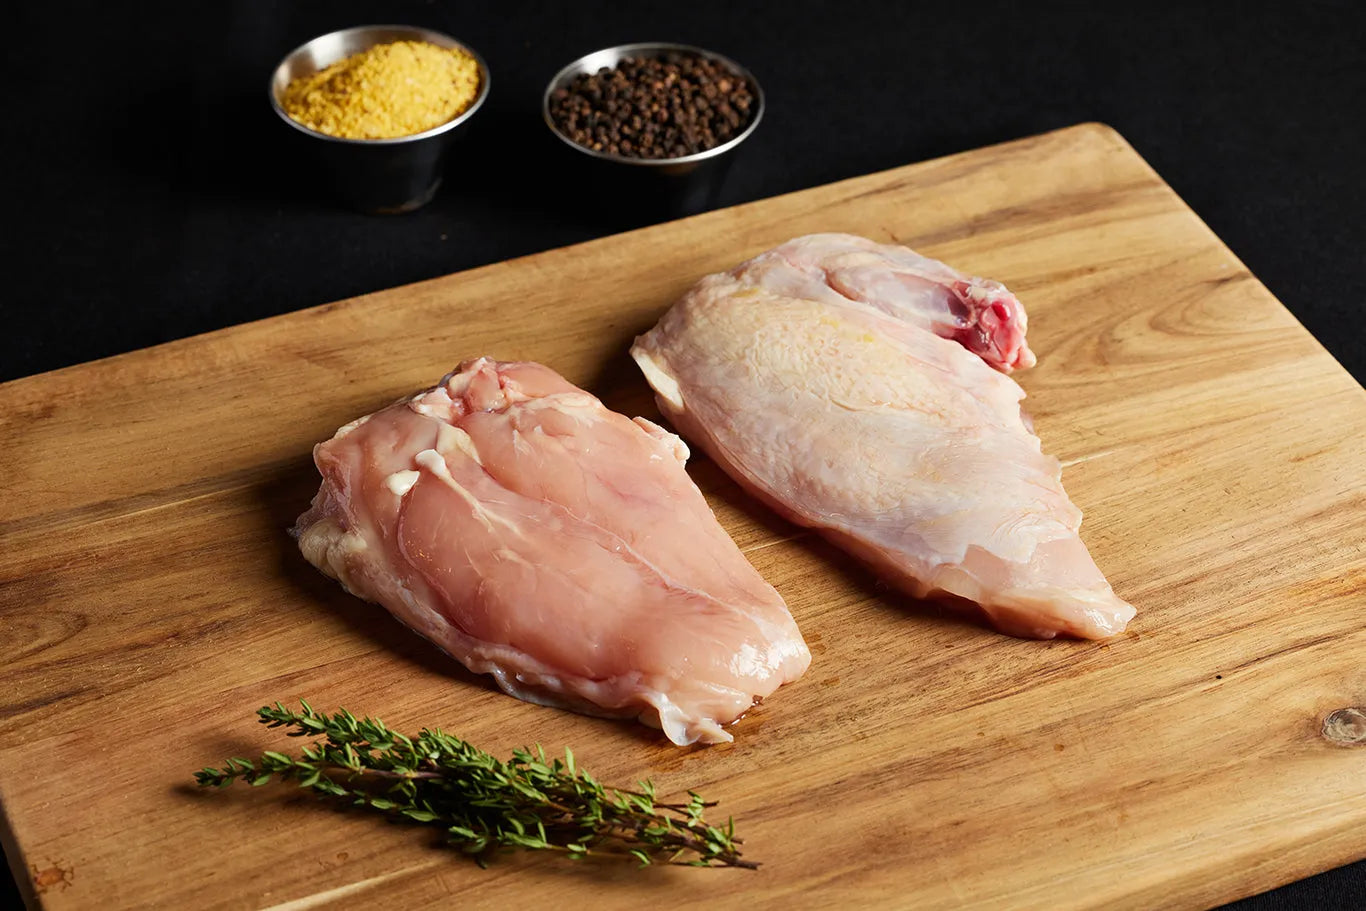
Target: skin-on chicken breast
<point>860,389</point>
<point>536,536</point>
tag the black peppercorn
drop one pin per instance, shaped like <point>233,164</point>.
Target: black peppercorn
<point>647,107</point>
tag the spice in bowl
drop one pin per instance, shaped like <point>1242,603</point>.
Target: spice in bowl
<point>671,106</point>
<point>385,92</point>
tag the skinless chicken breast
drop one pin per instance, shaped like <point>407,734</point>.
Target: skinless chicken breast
<point>536,536</point>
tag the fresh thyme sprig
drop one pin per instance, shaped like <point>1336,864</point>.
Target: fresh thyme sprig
<point>484,804</point>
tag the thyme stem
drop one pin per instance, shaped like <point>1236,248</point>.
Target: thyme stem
<point>483,804</point>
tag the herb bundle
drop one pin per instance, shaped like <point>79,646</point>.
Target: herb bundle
<point>483,804</point>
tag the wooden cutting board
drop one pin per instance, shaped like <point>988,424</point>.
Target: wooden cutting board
<point>151,600</point>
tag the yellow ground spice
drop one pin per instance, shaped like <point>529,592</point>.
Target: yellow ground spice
<point>390,90</point>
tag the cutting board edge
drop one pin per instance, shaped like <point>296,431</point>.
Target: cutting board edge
<point>1102,130</point>
<point>18,860</point>
<point>1117,137</point>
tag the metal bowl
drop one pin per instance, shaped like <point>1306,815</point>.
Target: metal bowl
<point>702,173</point>
<point>608,58</point>
<point>380,176</point>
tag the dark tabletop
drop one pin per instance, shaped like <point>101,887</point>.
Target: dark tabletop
<point>145,201</point>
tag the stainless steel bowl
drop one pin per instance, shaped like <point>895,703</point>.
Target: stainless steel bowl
<point>608,58</point>
<point>653,189</point>
<point>380,176</point>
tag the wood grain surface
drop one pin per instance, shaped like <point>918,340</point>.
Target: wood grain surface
<point>150,599</point>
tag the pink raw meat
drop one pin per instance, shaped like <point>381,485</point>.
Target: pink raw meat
<point>536,536</point>
<point>849,385</point>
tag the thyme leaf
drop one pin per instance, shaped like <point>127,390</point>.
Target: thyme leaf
<point>483,804</point>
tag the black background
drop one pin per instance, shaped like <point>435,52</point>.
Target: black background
<point>146,199</point>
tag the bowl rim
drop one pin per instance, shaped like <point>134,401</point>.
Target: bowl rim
<point>418,33</point>
<point>575,66</point>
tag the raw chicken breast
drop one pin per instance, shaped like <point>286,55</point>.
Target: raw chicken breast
<point>536,536</point>
<point>850,385</point>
